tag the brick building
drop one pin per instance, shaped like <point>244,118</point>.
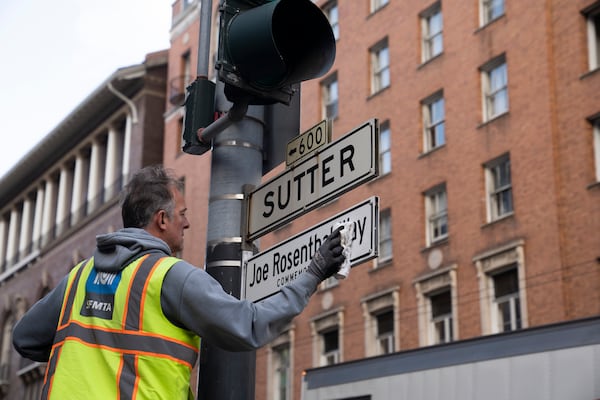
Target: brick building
<point>489,115</point>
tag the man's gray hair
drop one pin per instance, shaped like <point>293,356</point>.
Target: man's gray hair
<point>148,191</point>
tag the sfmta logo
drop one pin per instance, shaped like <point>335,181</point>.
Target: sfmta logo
<point>98,305</point>
<point>104,278</point>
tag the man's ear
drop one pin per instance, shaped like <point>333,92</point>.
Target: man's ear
<point>160,219</point>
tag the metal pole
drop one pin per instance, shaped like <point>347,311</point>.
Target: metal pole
<point>236,162</point>
<point>204,38</point>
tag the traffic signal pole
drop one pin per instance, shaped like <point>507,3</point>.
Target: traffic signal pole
<point>236,162</point>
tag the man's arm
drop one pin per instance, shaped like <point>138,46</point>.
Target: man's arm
<point>33,335</point>
<point>193,299</point>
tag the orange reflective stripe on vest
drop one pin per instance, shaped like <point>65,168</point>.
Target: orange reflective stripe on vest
<point>130,342</point>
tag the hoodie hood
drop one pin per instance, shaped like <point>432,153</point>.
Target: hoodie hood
<point>116,250</point>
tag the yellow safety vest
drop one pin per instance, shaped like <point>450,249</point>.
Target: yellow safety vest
<point>113,340</point>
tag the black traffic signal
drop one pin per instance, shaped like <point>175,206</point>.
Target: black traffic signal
<point>199,113</point>
<point>267,46</point>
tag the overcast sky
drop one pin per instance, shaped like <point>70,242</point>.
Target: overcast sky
<point>55,53</point>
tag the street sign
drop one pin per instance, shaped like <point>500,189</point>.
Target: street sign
<point>267,272</point>
<point>306,143</point>
<point>343,165</point>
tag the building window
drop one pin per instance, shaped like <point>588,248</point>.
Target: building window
<point>380,66</point>
<point>377,4</point>
<point>280,361</point>
<point>441,317</point>
<point>331,10</point>
<point>281,371</point>
<point>436,301</point>
<point>380,310</point>
<point>186,70</point>
<point>385,236</point>
<point>499,188</point>
<point>385,149</point>
<point>506,311</point>
<point>491,10</point>
<point>502,297</point>
<point>180,128</point>
<point>431,28</point>
<point>494,82</point>
<point>178,84</point>
<point>329,89</point>
<point>329,283</point>
<point>434,122</point>
<point>592,15</point>
<point>596,140</point>
<point>436,211</point>
<point>385,332</point>
<point>326,333</point>
<point>330,347</point>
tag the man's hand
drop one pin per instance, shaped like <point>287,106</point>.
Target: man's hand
<point>329,257</point>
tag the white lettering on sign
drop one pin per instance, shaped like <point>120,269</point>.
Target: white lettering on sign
<point>339,167</point>
<point>267,272</point>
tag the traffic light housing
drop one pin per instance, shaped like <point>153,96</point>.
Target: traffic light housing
<point>199,113</point>
<point>265,47</point>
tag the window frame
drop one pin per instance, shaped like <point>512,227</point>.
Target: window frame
<point>329,283</point>
<point>446,319</point>
<point>385,153</point>
<point>596,145</point>
<point>374,306</point>
<point>281,392</point>
<point>440,280</point>
<point>321,326</point>
<point>428,38</point>
<point>377,5</point>
<point>386,338</point>
<point>434,215</point>
<point>330,356</point>
<point>592,19</point>
<point>380,66</point>
<point>511,300</point>
<point>331,10</point>
<point>491,95</point>
<point>187,4</point>
<point>385,237</point>
<point>433,129</point>
<point>330,97</point>
<point>485,11</point>
<point>496,191</point>
<point>493,262</point>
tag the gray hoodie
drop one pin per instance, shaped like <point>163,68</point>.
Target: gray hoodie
<point>190,298</point>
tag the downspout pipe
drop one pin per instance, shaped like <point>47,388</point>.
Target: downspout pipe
<point>127,100</point>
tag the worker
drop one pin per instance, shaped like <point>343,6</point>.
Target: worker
<point>127,322</point>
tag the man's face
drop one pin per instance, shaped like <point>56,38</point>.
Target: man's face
<point>176,223</point>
